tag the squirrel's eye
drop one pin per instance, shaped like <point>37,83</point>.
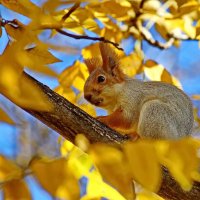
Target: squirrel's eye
<point>101,79</point>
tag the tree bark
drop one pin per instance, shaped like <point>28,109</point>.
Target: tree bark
<point>69,120</point>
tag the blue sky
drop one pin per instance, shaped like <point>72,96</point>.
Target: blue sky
<point>183,62</point>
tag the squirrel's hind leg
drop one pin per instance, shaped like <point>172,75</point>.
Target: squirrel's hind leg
<point>157,121</point>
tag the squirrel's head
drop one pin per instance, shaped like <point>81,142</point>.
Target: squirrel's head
<point>104,75</point>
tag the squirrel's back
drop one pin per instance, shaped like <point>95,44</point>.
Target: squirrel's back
<point>139,93</point>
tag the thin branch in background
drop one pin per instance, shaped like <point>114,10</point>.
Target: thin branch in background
<point>149,38</point>
<point>78,37</point>
<point>16,24</point>
<point>71,10</point>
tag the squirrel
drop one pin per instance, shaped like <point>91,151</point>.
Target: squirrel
<point>152,109</point>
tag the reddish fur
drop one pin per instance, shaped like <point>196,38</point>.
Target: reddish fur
<point>109,67</point>
<point>118,121</point>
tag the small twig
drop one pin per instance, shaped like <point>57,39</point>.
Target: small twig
<point>183,37</point>
<point>78,37</point>
<point>71,10</point>
<point>14,23</point>
<point>149,38</point>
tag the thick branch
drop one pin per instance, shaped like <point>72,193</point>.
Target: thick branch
<point>69,120</point>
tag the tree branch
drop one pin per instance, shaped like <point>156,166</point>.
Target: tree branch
<point>78,37</point>
<point>71,10</point>
<point>69,120</point>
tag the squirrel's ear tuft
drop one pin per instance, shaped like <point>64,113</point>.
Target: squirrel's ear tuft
<point>109,57</point>
<point>92,64</point>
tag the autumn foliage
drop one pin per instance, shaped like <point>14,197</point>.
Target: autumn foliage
<point>111,171</point>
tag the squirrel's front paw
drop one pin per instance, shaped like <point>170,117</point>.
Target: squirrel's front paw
<point>101,119</point>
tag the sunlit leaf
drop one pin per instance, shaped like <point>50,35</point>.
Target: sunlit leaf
<point>5,118</point>
<point>176,155</point>
<point>16,189</point>
<point>66,92</point>
<point>90,109</point>
<point>152,5</point>
<point>74,75</point>
<point>41,58</point>
<point>17,33</point>
<point>196,97</point>
<point>114,9</point>
<point>146,195</point>
<point>66,148</point>
<point>143,163</point>
<point>91,51</point>
<point>56,177</point>
<point>24,7</point>
<point>188,7</point>
<point>9,170</point>
<point>131,64</point>
<point>106,159</point>
<point>156,72</point>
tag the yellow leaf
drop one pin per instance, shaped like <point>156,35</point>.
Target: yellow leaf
<point>162,30</point>
<point>114,35</point>
<point>90,24</point>
<point>91,51</point>
<point>17,33</point>
<point>9,170</point>
<point>16,189</point>
<point>66,148</point>
<point>196,97</point>
<point>50,6</point>
<point>74,75</point>
<point>77,29</point>
<point>131,64</point>
<point>157,72</point>
<point>41,58</point>
<point>146,195</point>
<point>5,118</point>
<point>66,92</point>
<point>114,9</point>
<point>97,189</point>
<point>152,5</point>
<point>56,177</point>
<point>17,87</point>
<point>113,167</point>
<point>198,30</point>
<point>140,154</point>
<point>90,109</point>
<point>188,7</point>
<point>124,3</point>
<point>179,27</point>
<point>35,99</point>
<point>82,166</point>
<point>166,77</point>
<point>24,7</point>
<point>181,158</point>
<point>44,22</point>
<point>43,55</point>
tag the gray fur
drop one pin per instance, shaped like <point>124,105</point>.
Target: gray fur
<point>157,109</point>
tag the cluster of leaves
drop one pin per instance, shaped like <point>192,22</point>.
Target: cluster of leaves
<point>113,20</point>
<point>117,165</point>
